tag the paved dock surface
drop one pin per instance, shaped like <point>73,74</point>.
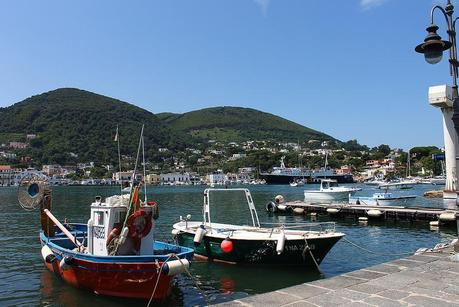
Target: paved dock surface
<point>429,279</point>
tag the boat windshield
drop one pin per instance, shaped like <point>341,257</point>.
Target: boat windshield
<point>230,206</point>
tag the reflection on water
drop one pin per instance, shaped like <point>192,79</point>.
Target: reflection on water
<point>24,280</point>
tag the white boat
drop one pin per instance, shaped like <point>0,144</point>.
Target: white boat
<point>438,180</point>
<point>297,183</point>
<point>403,185</point>
<point>381,199</point>
<point>329,191</point>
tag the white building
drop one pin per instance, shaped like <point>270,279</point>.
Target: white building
<point>216,178</point>
<point>126,177</point>
<point>174,178</point>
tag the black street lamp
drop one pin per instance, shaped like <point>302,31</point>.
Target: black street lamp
<point>432,48</point>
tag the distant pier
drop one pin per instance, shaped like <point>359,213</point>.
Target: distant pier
<point>427,279</point>
<point>438,216</point>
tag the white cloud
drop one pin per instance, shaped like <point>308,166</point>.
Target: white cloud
<point>263,4</point>
<point>369,4</point>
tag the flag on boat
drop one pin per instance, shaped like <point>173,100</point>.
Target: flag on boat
<point>116,135</point>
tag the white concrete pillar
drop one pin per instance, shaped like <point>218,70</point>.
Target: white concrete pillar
<point>451,149</point>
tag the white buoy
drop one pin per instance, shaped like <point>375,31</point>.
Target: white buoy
<point>279,199</point>
<point>123,235</point>
<point>313,214</point>
<point>332,210</point>
<point>281,207</point>
<point>280,243</point>
<point>447,217</point>
<point>298,210</point>
<point>175,232</point>
<point>175,267</point>
<point>65,263</point>
<point>374,213</point>
<point>363,219</point>
<point>200,233</point>
<point>47,254</point>
<point>434,223</point>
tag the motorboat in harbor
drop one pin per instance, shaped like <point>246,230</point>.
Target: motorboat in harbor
<point>279,244</point>
<point>382,199</point>
<point>402,185</point>
<point>286,175</point>
<point>297,183</point>
<point>438,180</point>
<point>329,191</point>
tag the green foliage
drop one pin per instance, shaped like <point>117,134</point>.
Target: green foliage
<point>240,124</point>
<point>83,123</point>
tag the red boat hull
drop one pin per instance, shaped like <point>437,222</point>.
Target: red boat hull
<point>130,280</point>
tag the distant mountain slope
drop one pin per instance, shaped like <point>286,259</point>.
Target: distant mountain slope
<point>238,124</point>
<point>70,120</point>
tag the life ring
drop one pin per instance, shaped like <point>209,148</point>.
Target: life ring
<point>139,224</point>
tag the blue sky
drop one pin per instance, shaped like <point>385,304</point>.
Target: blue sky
<point>345,67</point>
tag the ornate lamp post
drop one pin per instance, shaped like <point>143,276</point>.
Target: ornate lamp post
<point>432,48</point>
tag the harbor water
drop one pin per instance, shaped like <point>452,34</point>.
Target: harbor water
<point>25,281</point>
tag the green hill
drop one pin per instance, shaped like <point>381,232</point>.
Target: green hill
<point>239,124</point>
<point>70,120</point>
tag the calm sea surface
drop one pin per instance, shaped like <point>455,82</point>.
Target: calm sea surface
<point>24,280</point>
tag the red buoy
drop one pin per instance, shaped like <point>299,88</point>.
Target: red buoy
<point>226,246</point>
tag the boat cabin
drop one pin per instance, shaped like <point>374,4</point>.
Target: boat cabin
<point>106,228</point>
<point>328,184</point>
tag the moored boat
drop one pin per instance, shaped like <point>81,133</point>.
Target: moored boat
<point>381,199</point>
<point>329,191</point>
<point>114,253</point>
<point>277,244</point>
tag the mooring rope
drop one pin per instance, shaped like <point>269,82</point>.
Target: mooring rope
<point>194,280</point>
<point>186,270</point>
<point>157,280</point>
<point>376,253</point>
<point>306,247</point>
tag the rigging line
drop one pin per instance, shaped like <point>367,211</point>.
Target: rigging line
<point>376,253</point>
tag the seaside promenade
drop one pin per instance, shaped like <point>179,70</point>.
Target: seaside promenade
<point>427,279</point>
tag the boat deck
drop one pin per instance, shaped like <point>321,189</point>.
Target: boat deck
<point>428,279</point>
<point>337,210</point>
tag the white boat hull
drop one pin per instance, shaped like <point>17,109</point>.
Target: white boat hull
<point>328,195</point>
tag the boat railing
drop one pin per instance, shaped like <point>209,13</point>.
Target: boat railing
<point>317,227</point>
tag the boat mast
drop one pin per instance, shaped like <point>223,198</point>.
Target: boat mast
<point>117,139</point>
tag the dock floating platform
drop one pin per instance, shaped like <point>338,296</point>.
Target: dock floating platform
<point>427,279</point>
<point>443,216</point>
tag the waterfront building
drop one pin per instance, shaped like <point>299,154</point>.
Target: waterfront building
<point>175,178</point>
<point>217,177</point>
<point>126,177</point>
<point>152,179</point>
<point>7,175</point>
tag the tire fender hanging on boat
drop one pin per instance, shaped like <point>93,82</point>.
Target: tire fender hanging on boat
<point>271,207</point>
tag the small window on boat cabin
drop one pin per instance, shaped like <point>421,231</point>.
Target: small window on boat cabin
<point>333,183</point>
<point>120,216</point>
<point>99,218</point>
